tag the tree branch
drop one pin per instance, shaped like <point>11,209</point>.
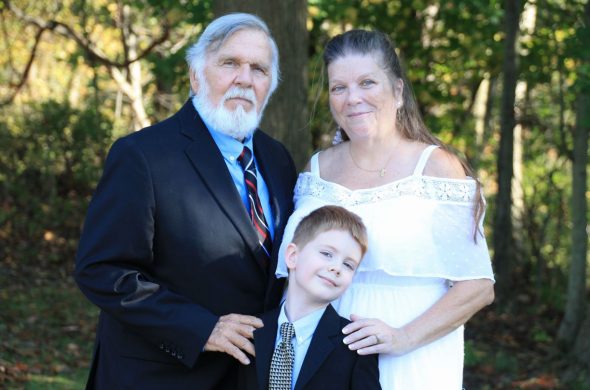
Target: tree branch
<point>93,53</point>
<point>25,75</point>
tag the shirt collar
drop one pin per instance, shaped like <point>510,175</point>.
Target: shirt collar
<point>305,326</point>
<point>229,147</point>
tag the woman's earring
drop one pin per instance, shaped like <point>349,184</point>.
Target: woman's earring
<point>337,137</point>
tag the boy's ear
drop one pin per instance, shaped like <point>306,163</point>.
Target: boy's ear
<point>291,256</point>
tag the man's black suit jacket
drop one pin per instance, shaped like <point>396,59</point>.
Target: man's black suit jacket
<point>168,247</point>
<point>328,363</point>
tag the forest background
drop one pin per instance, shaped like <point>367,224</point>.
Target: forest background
<point>506,83</point>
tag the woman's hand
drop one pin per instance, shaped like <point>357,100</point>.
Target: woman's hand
<point>463,300</point>
<point>370,335</point>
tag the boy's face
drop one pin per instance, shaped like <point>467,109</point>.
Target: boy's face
<point>322,269</point>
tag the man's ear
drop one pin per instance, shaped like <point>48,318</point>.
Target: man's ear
<point>194,81</point>
<point>291,256</point>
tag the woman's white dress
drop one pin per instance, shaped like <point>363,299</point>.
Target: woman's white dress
<point>421,233</point>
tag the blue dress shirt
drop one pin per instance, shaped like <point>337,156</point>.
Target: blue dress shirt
<point>231,149</point>
<point>304,330</point>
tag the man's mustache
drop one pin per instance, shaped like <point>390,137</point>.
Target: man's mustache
<point>242,93</point>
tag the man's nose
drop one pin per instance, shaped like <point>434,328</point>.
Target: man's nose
<point>244,76</point>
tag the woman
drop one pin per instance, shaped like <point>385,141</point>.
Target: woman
<point>427,270</point>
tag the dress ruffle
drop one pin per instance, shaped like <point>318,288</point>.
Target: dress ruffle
<point>419,226</point>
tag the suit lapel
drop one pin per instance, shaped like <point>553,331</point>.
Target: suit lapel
<point>208,162</point>
<point>264,340</point>
<point>324,340</point>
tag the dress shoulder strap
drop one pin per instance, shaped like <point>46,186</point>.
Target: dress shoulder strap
<point>418,171</point>
<point>314,163</point>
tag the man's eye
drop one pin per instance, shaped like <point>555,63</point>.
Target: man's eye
<point>259,69</point>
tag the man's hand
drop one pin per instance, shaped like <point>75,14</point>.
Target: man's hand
<point>232,335</point>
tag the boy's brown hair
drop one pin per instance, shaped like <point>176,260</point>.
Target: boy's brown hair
<point>328,218</point>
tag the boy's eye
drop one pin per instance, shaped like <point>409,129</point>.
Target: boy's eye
<point>349,266</point>
<point>326,253</point>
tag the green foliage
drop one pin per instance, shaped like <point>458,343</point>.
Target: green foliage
<point>473,356</point>
<point>51,152</point>
<point>447,47</point>
<point>541,336</point>
<point>504,361</point>
<point>51,156</point>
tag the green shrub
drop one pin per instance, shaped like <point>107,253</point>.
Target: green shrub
<point>50,160</point>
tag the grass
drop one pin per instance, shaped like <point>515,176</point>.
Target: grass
<point>47,330</point>
<point>46,335</point>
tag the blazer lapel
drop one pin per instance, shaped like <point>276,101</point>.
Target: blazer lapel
<point>208,162</point>
<point>323,342</point>
<point>264,341</point>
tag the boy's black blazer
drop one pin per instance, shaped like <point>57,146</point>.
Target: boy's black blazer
<point>328,364</point>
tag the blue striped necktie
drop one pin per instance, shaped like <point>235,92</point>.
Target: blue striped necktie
<point>256,213</point>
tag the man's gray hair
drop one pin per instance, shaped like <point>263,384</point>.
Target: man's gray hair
<point>219,31</point>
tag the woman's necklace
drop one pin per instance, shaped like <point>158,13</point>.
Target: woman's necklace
<point>381,171</point>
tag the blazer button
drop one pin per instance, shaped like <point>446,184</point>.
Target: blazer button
<point>173,353</point>
<point>162,346</point>
<point>179,356</point>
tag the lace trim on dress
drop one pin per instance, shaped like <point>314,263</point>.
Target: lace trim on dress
<point>423,187</point>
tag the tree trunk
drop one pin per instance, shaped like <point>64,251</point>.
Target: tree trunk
<point>132,82</point>
<point>286,116</point>
<point>521,250</point>
<point>582,345</point>
<point>479,113</point>
<point>569,330</point>
<point>503,239</point>
<point>483,117</point>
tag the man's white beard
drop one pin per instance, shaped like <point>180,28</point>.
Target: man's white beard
<point>238,123</point>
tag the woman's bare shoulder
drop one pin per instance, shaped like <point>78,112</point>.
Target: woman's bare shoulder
<point>329,158</point>
<point>325,158</point>
<point>445,164</point>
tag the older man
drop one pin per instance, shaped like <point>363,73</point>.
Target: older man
<point>179,244</point>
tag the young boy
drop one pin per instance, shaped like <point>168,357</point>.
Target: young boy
<point>326,250</point>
